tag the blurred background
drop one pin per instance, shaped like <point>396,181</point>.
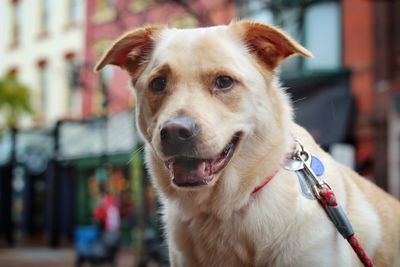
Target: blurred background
<point>73,187</point>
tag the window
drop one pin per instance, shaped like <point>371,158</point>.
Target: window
<point>100,100</point>
<point>73,82</point>
<point>102,93</point>
<point>322,24</point>
<point>185,21</point>
<point>43,86</point>
<point>138,6</point>
<point>315,23</point>
<point>15,23</point>
<point>44,17</point>
<point>13,72</point>
<point>73,11</point>
<point>104,11</point>
<point>258,11</point>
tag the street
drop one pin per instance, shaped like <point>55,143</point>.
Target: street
<point>45,257</point>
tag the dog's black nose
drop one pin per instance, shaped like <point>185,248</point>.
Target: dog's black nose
<point>177,135</point>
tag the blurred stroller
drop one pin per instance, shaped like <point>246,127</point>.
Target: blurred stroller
<point>94,247</point>
<point>99,244</point>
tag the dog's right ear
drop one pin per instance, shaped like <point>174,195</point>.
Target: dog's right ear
<point>270,44</point>
<point>130,50</point>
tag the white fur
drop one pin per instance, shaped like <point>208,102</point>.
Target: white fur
<point>224,224</point>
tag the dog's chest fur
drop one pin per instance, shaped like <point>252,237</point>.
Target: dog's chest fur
<point>212,242</point>
<point>249,237</point>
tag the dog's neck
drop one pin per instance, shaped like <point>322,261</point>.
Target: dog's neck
<point>272,159</point>
<point>268,179</point>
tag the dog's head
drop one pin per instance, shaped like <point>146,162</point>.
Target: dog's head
<point>207,97</point>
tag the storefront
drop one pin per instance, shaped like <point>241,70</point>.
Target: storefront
<point>98,154</point>
<point>24,172</point>
<point>52,179</point>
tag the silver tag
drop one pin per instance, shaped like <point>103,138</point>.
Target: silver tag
<point>306,189</point>
<point>294,165</point>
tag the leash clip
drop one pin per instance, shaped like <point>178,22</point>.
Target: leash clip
<point>303,155</point>
<point>328,201</point>
<point>319,186</point>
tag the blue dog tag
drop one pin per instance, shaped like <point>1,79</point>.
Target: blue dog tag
<point>317,166</point>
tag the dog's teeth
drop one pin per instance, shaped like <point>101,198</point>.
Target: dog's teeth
<point>228,148</point>
<point>208,167</point>
<point>168,163</point>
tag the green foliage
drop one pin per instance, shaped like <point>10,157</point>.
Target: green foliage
<point>14,101</point>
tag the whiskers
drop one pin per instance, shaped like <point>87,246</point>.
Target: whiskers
<point>134,153</point>
<point>299,100</point>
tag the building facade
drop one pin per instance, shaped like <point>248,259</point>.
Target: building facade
<point>386,75</point>
<point>42,43</point>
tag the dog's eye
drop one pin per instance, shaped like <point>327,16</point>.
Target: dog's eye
<point>223,82</point>
<point>158,84</point>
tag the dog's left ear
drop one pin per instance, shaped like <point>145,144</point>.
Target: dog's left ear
<point>270,44</point>
<point>130,50</point>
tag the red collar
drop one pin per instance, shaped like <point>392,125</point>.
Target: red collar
<point>266,181</point>
<point>269,178</point>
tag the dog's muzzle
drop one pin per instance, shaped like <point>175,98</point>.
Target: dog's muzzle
<point>178,137</point>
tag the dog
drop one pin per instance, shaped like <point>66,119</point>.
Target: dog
<point>216,123</point>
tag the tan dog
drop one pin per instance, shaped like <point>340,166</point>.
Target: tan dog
<point>216,124</point>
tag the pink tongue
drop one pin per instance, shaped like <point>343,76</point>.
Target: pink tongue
<point>190,171</point>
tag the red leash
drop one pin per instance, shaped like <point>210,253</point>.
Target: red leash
<point>328,198</point>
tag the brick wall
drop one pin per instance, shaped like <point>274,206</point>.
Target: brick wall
<point>371,45</point>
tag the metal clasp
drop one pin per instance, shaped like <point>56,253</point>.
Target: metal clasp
<point>304,156</point>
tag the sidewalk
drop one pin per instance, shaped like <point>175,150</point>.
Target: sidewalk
<point>45,257</point>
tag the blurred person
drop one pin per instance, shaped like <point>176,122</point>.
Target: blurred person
<point>107,216</point>
<point>107,213</point>
<point>105,247</point>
